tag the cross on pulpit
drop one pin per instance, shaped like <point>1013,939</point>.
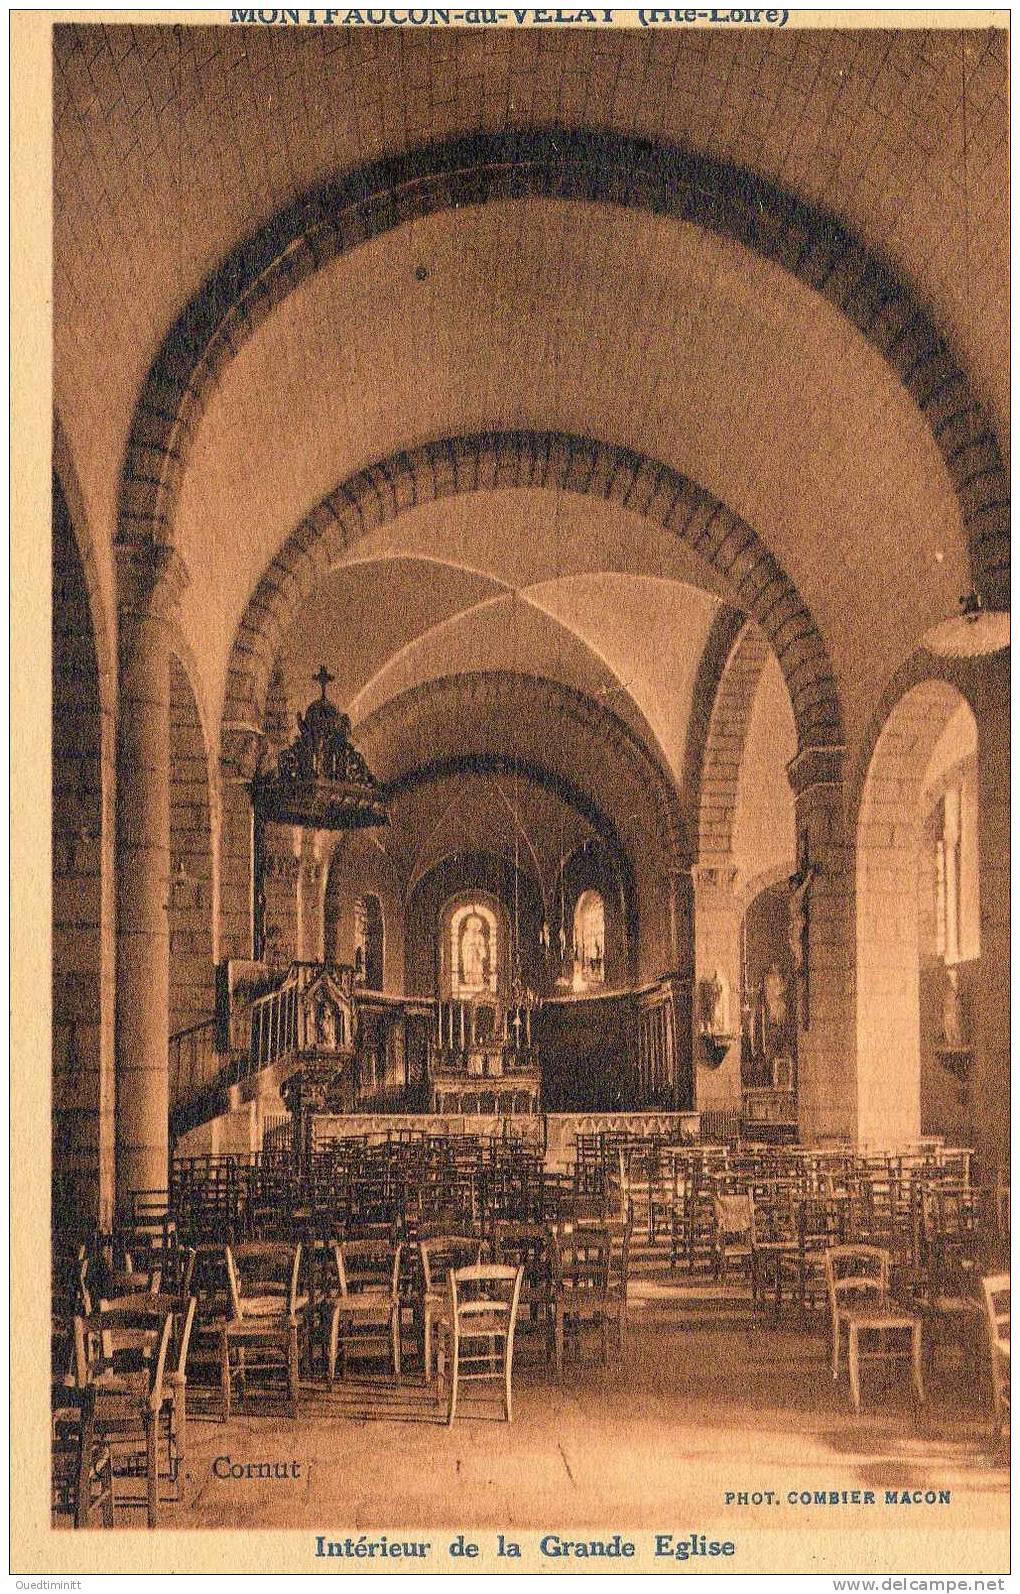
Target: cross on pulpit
<point>323,678</point>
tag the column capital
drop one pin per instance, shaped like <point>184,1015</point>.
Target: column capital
<point>150,578</point>
<point>242,747</point>
<point>815,766</point>
<point>714,875</point>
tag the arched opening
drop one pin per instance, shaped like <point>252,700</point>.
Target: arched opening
<point>768,997</point>
<point>368,942</point>
<point>470,950</point>
<point>589,942</point>
<point>363,916</point>
<point>917,920</point>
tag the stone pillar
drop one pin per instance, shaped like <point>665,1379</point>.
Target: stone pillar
<point>282,871</point>
<point>310,891</point>
<point>241,747</point>
<point>989,1084</point>
<point>681,921</point>
<point>717,920</point>
<point>826,1019</point>
<point>150,580</point>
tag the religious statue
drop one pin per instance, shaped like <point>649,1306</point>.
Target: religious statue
<point>774,1000</point>
<point>714,1004</point>
<point>325,1024</point>
<point>475,960</point>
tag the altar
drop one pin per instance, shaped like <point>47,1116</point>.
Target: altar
<point>483,1059</point>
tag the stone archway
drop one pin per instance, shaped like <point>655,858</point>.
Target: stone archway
<point>536,460</point>
<point>889,826</point>
<point>583,165</point>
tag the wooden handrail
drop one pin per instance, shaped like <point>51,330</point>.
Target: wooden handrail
<point>194,1061</point>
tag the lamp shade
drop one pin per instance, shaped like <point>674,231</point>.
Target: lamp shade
<point>975,631</point>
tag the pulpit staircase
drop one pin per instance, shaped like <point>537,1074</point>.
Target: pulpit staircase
<point>209,1076</point>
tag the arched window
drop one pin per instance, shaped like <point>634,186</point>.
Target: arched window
<point>368,943</point>
<point>473,949</point>
<point>957,919</point>
<point>589,941</point>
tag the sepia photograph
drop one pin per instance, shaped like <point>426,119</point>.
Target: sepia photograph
<point>513,1033</point>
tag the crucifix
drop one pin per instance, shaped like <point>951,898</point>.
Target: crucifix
<point>798,926</point>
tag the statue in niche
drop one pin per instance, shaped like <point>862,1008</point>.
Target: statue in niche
<point>325,1021</point>
<point>475,955</point>
<point>770,1023</point>
<point>774,1000</point>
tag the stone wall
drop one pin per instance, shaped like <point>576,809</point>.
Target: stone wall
<point>83,774</point>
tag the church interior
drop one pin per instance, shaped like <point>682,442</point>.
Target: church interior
<point>530,762</point>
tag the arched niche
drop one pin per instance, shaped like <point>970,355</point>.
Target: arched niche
<point>512,896</point>
<point>587,873</point>
<point>360,871</point>
<point>369,941</point>
<point>901,823</point>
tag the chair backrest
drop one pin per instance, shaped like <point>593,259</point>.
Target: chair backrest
<point>734,1216</point>
<point>263,1268</point>
<point>487,1289</point>
<point>582,1258</point>
<point>857,1272</point>
<point>153,1307</point>
<point>822,1221</point>
<point>522,1245</point>
<point>125,1345</point>
<point>772,1211</point>
<point>443,1253</point>
<point>996,1293</point>
<point>367,1264</point>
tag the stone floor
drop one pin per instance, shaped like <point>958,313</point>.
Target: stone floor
<point>703,1405</point>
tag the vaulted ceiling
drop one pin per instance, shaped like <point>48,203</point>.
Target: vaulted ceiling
<point>536,312</point>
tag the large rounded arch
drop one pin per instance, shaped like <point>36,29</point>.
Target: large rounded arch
<point>889,880</point>
<point>491,460</point>
<point>577,164</point>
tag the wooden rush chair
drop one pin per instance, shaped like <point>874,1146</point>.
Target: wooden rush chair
<point>81,1466</point>
<point>857,1281</point>
<point>996,1294</point>
<point>590,1267</point>
<point>476,1335</point>
<point>527,1245</point>
<point>120,1355</point>
<point>267,1315</point>
<point>175,1381</point>
<point>366,1305</point>
<point>734,1232</point>
<point>439,1255</point>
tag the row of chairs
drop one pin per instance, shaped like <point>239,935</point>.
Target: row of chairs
<point>120,1410</point>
